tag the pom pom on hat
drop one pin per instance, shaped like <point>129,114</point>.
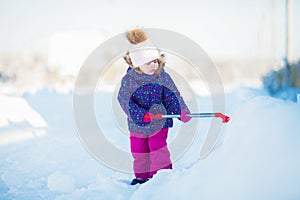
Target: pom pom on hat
<point>136,36</point>
<point>141,49</point>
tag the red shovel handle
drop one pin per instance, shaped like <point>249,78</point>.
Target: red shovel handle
<point>156,116</point>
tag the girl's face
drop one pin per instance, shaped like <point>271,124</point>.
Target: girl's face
<point>150,67</point>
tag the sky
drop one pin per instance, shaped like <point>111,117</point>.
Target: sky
<point>225,29</point>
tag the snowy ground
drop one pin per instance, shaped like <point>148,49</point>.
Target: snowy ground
<point>41,156</point>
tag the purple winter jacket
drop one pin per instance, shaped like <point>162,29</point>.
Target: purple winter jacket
<point>142,93</point>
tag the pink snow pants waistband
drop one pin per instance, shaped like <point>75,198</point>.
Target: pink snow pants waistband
<point>150,153</point>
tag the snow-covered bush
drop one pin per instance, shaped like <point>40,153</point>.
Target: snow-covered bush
<point>274,82</point>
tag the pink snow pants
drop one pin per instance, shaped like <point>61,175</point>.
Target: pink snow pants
<point>150,153</point>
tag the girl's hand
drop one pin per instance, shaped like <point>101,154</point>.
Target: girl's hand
<point>148,117</point>
<point>183,116</point>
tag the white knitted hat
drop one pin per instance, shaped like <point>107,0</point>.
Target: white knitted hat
<point>141,49</point>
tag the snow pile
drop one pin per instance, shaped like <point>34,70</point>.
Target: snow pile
<point>258,158</point>
<point>19,121</point>
<point>16,109</point>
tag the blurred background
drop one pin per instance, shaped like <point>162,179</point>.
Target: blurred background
<point>44,43</point>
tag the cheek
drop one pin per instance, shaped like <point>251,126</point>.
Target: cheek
<point>142,67</point>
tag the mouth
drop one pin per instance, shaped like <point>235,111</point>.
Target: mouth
<point>151,71</point>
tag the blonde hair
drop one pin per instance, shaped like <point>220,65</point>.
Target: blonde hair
<point>161,63</point>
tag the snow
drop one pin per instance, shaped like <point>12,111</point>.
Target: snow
<point>60,182</point>
<point>256,158</point>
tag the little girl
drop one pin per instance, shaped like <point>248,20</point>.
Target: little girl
<point>147,90</point>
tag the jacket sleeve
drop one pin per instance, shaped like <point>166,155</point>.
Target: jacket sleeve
<point>125,94</point>
<point>137,112</point>
<point>128,104</point>
<point>172,99</point>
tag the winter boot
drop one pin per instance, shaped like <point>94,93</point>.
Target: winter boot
<point>138,180</point>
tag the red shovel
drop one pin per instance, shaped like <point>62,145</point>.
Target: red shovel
<point>224,118</point>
